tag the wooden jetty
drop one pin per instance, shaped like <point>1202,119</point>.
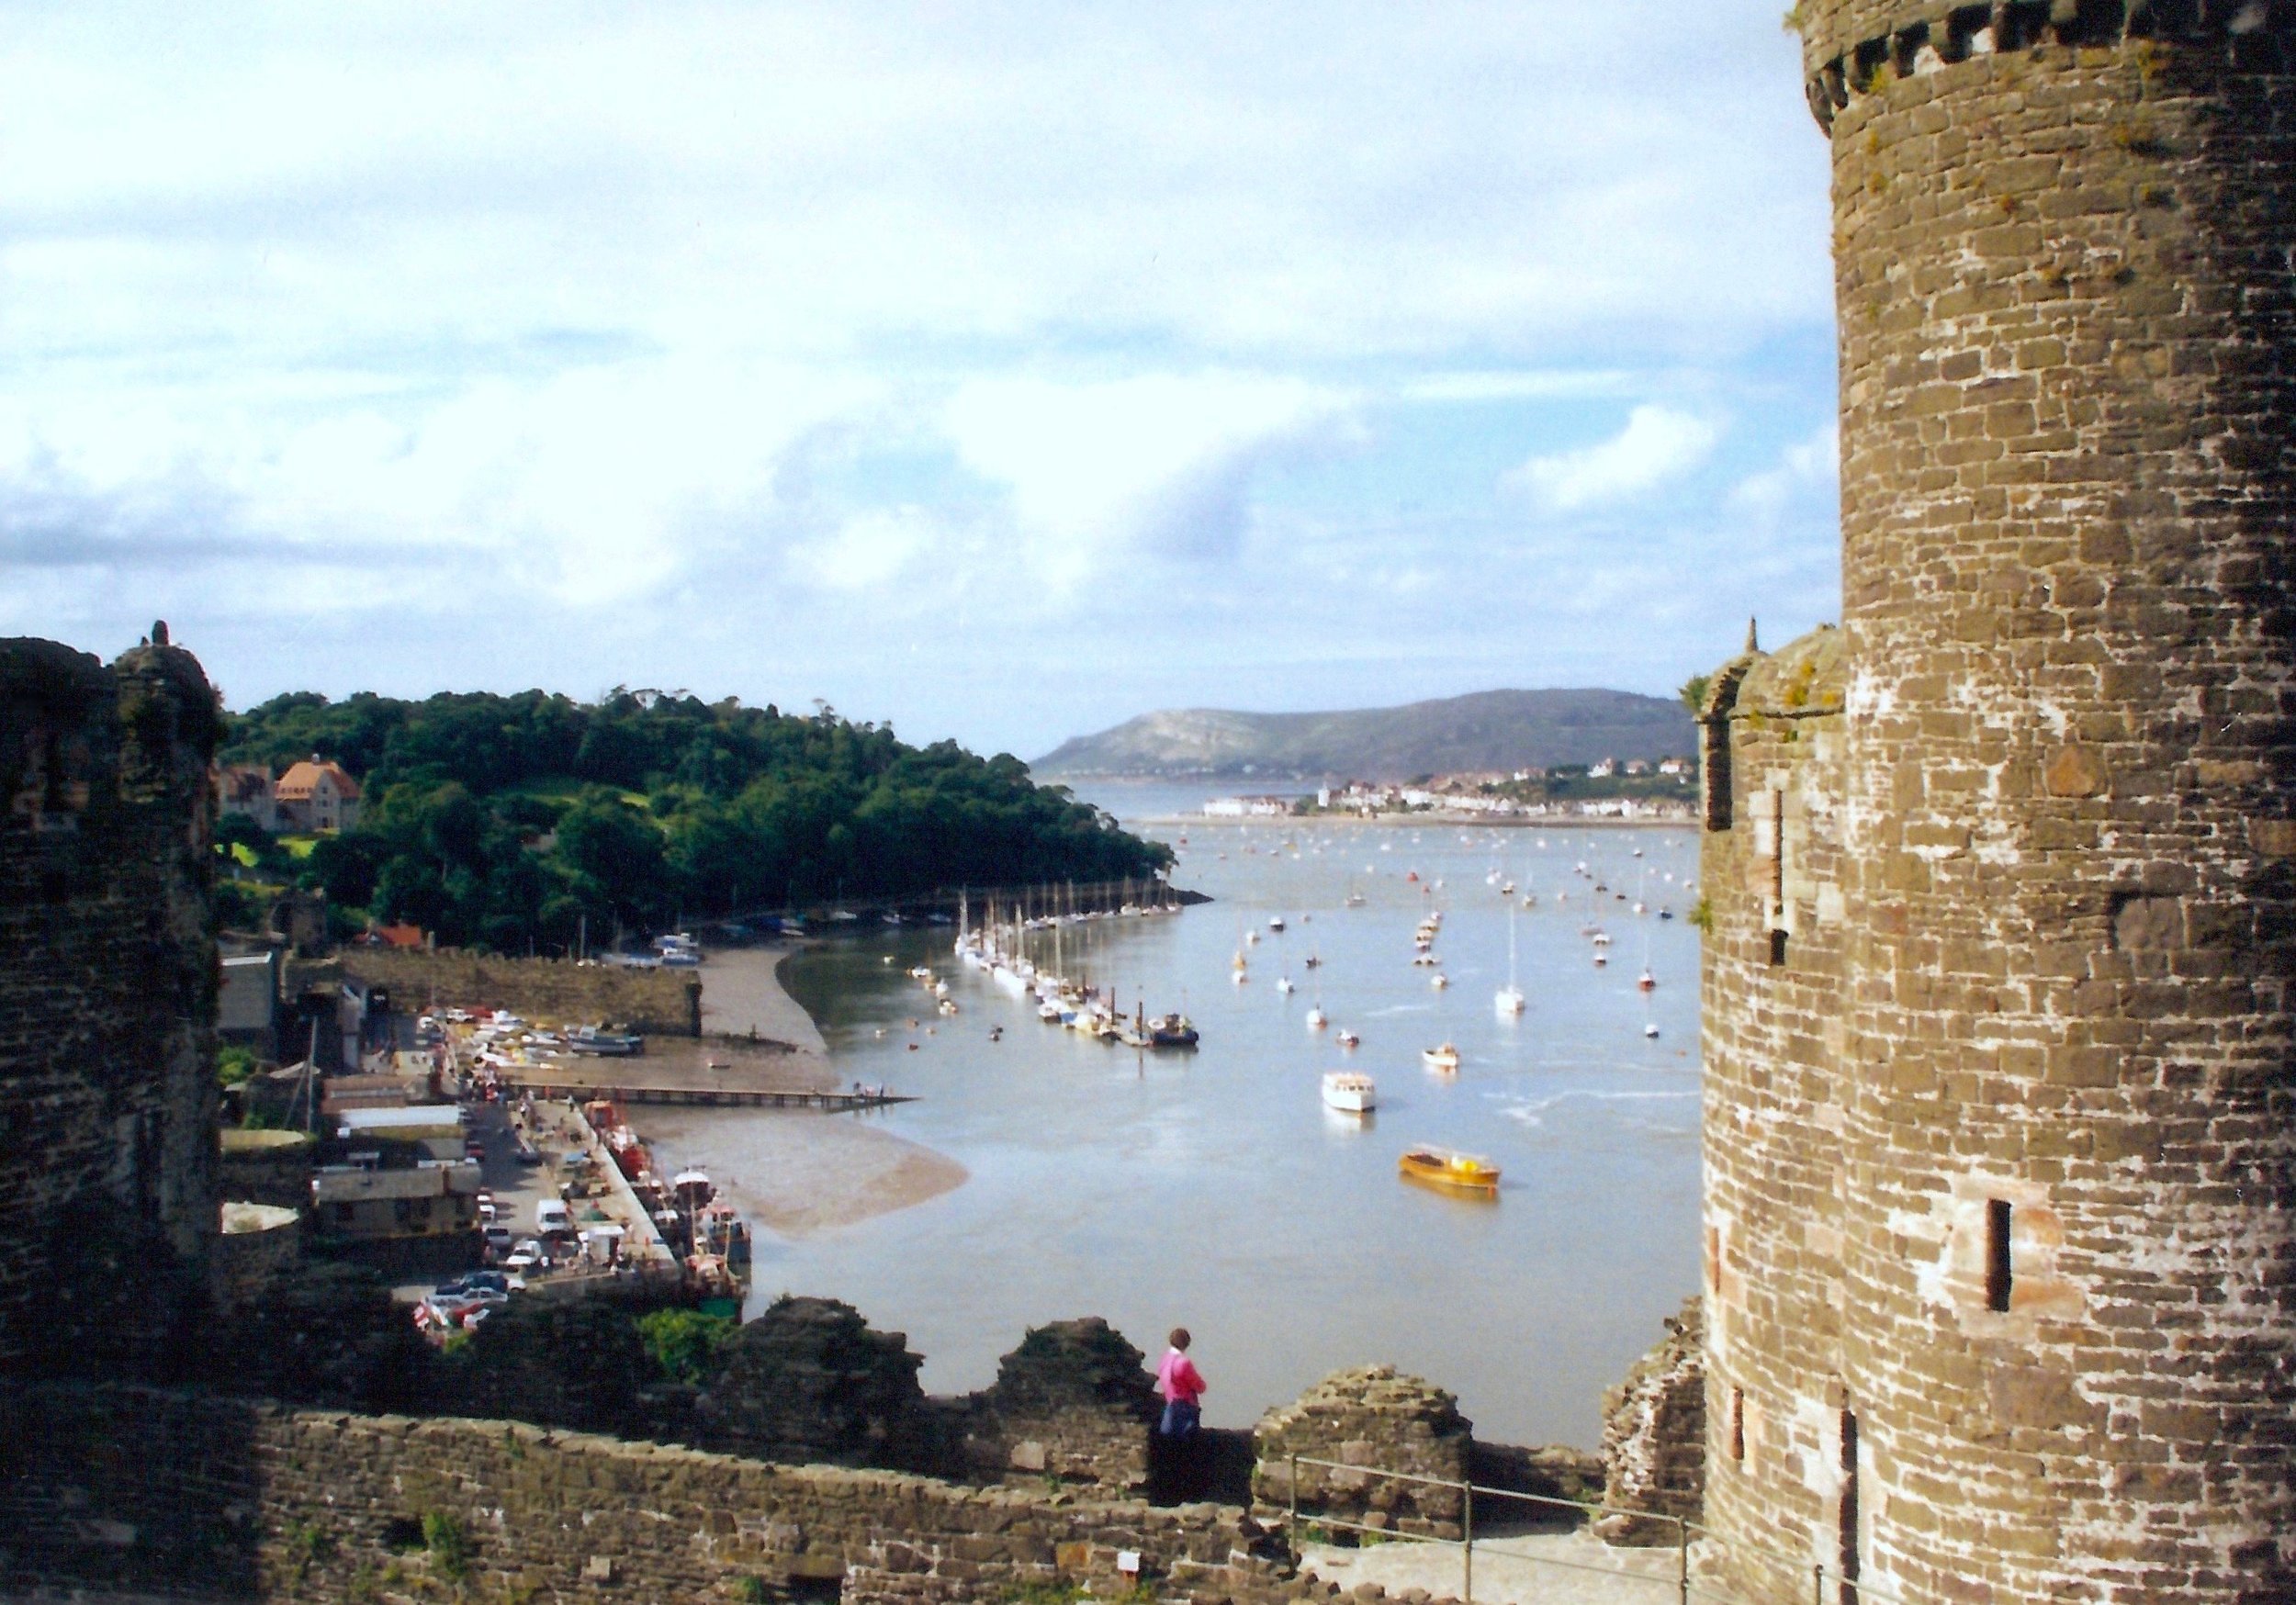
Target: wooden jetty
<point>724,1098</point>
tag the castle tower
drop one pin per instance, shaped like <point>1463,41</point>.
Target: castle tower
<point>2054,1353</point>
<point>107,979</point>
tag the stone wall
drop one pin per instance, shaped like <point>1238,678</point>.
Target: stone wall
<point>108,985</point>
<point>1071,1405</point>
<point>268,1167</point>
<point>216,1498</point>
<point>665,1002</point>
<point>1373,1418</point>
<point>1774,970</point>
<point>808,1380</point>
<point>1654,1440</point>
<point>2061,1356</point>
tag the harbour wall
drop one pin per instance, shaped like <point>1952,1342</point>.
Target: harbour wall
<point>666,1003</point>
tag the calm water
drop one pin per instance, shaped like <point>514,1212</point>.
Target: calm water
<point>1213,1190</point>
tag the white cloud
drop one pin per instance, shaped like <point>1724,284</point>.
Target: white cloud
<point>1161,464</point>
<point>1813,461</point>
<point>1658,444</point>
<point>524,326</point>
<point>867,550</point>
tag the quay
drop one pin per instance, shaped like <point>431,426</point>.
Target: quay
<point>723,1097</point>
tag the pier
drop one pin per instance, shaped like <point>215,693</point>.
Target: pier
<point>835,1103</point>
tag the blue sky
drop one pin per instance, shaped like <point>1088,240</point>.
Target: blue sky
<point>1001,370</point>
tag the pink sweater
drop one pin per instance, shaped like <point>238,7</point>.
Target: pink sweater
<point>1178,1378</point>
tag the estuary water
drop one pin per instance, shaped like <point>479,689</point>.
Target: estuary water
<point>1213,1190</point>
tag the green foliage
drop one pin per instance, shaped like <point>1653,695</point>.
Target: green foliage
<point>448,1545</point>
<point>505,822</point>
<point>1043,1591</point>
<point>234,1065</point>
<point>1693,692</point>
<point>307,1545</point>
<point>1796,21</point>
<point>684,1342</point>
<point>752,1591</point>
<point>1703,916</point>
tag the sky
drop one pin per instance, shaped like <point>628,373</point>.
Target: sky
<point>1000,371</point>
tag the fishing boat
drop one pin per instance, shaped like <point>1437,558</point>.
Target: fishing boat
<point>1276,922</point>
<point>1350,1039</point>
<point>1650,1029</point>
<point>1444,1059</point>
<point>1350,1092</point>
<point>1445,1167</point>
<point>1171,1031</point>
<point>604,1044</point>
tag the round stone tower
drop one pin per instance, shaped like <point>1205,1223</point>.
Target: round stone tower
<point>2065,1361</point>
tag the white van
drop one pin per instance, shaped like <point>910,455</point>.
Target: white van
<point>550,1215</point>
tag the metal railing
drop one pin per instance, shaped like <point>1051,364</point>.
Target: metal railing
<point>1825,1582</point>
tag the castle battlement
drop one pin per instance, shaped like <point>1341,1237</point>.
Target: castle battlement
<point>1856,47</point>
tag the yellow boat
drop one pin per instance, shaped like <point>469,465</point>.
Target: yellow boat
<point>1443,1167</point>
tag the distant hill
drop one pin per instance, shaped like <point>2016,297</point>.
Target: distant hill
<point>1489,730</point>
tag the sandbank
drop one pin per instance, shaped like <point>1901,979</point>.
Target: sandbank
<point>799,1172</point>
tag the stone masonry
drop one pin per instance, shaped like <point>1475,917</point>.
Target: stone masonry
<point>2000,1260</point>
<point>1072,1405</point>
<point>666,1003</point>
<point>1654,1440</point>
<point>1373,1418</point>
<point>134,1489</point>
<point>107,999</point>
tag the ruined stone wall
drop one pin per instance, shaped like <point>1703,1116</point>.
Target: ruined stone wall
<point>2068,1328</point>
<point>1369,1416</point>
<point>1654,1440</point>
<point>107,986</point>
<point>205,1498</point>
<point>662,1002</point>
<point>1770,877</point>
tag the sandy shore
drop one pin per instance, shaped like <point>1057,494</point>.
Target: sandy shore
<point>742,996</point>
<point>792,1171</point>
<point>798,1172</point>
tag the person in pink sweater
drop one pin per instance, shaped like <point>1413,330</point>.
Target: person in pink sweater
<point>1182,1387</point>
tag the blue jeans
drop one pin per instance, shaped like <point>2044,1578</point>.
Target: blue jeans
<point>1179,1419</point>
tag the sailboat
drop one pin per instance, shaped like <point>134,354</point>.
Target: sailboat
<point>1508,999</point>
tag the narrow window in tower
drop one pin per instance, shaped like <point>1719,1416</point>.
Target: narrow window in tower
<point>1777,950</point>
<point>1998,1267</point>
<point>1738,1423</point>
<point>1849,1510</point>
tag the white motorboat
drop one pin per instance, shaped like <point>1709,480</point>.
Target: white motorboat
<point>1317,1019</point>
<point>1350,1092</point>
<point>1444,1060</point>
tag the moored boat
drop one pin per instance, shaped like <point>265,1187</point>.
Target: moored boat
<point>1171,1031</point>
<point>1445,1167</point>
<point>1444,1059</point>
<point>1350,1092</point>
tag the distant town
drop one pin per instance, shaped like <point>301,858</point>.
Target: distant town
<point>1636,789</point>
